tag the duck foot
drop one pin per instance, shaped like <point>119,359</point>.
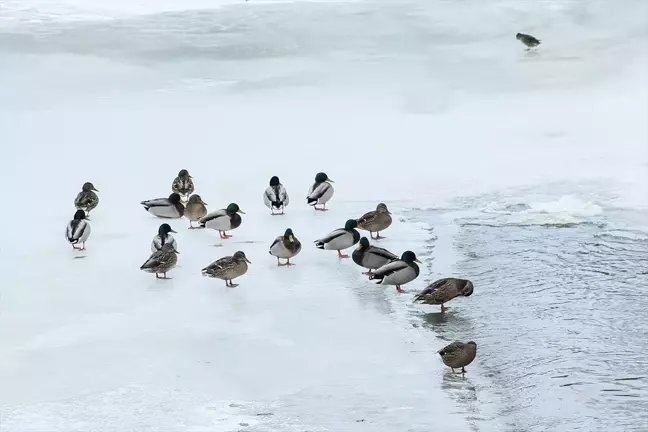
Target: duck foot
<point>369,273</point>
<point>444,308</point>
<point>287,264</point>
<point>400,290</point>
<point>230,284</point>
<point>321,209</point>
<point>340,255</point>
<point>224,236</point>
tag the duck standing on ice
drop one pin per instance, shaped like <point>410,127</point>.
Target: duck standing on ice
<point>371,257</point>
<point>398,272</point>
<point>286,247</point>
<point>376,221</point>
<point>458,355</point>
<point>223,220</point>
<point>87,199</point>
<point>275,197</point>
<point>165,207</point>
<point>183,184</point>
<point>195,209</point>
<point>444,290</point>
<point>228,268</point>
<point>161,261</point>
<point>320,192</point>
<point>163,237</point>
<point>78,230</point>
<point>341,238</point>
<point>528,40</point>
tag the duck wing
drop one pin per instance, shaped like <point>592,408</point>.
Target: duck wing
<point>331,236</point>
<point>157,259</point>
<point>390,268</point>
<point>318,190</point>
<point>452,349</point>
<point>367,217</point>
<point>75,230</point>
<point>213,215</point>
<point>157,202</point>
<point>283,195</point>
<point>220,266</point>
<point>383,253</point>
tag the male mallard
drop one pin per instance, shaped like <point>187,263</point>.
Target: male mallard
<point>458,355</point>
<point>163,237</point>
<point>286,246</point>
<point>398,272</point>
<point>375,221</point>
<point>527,40</point>
<point>195,209</point>
<point>444,290</point>
<point>161,261</point>
<point>371,257</point>
<point>340,238</point>
<point>87,199</point>
<point>228,268</point>
<point>275,196</point>
<point>223,220</point>
<point>183,184</point>
<point>165,207</point>
<point>78,230</point>
<point>320,192</point>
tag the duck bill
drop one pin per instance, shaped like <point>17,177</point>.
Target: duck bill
<point>174,231</point>
<point>359,247</point>
<point>329,180</point>
<point>240,211</point>
<point>291,239</point>
<point>247,260</point>
<point>96,190</point>
<point>176,250</point>
<point>203,203</point>
<point>418,261</point>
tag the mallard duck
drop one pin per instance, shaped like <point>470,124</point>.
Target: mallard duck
<point>320,192</point>
<point>223,220</point>
<point>163,237</point>
<point>276,197</point>
<point>228,268</point>
<point>527,40</point>
<point>286,246</point>
<point>459,355</point>
<point>195,209</point>
<point>375,221</point>
<point>340,238</point>
<point>444,290</point>
<point>78,230</point>
<point>165,207</point>
<point>87,199</point>
<point>371,257</point>
<point>398,272</point>
<point>161,261</point>
<point>183,184</point>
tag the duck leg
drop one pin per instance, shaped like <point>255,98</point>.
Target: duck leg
<point>463,370</point>
<point>321,209</point>
<point>82,247</point>
<point>368,273</point>
<point>400,290</point>
<point>444,308</point>
<point>230,284</point>
<point>223,235</point>
<point>378,236</point>
<point>340,255</point>
<point>288,263</point>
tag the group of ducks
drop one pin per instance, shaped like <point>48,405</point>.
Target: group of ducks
<point>382,266</point>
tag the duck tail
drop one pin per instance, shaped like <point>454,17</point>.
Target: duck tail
<point>311,201</point>
<point>319,244</point>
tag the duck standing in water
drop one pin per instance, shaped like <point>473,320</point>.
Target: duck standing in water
<point>458,355</point>
<point>228,268</point>
<point>444,290</point>
<point>376,221</point>
<point>87,199</point>
<point>161,261</point>
<point>163,237</point>
<point>341,238</point>
<point>398,272</point>
<point>275,197</point>
<point>320,192</point>
<point>527,40</point>
<point>223,220</point>
<point>371,257</point>
<point>183,184</point>
<point>195,209</point>
<point>171,207</point>
<point>286,247</point>
<point>78,230</point>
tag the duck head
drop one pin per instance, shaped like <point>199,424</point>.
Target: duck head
<point>288,235</point>
<point>274,181</point>
<point>467,290</point>
<point>234,208</point>
<point>364,243</point>
<point>350,224</point>
<point>409,256</point>
<point>88,186</point>
<point>196,199</point>
<point>240,255</point>
<point>165,229</point>
<point>79,215</point>
<point>322,177</point>
<point>382,208</point>
<point>174,198</point>
<point>184,174</point>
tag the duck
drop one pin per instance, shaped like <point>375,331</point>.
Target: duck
<point>371,257</point>
<point>286,246</point>
<point>320,192</point>
<point>376,221</point>
<point>341,238</point>
<point>528,40</point>
<point>170,208</point>
<point>228,268</point>
<point>163,237</point>
<point>183,184</point>
<point>161,261</point>
<point>78,230</point>
<point>444,290</point>
<point>398,272</point>
<point>87,199</point>
<point>276,197</point>
<point>223,220</point>
<point>458,355</point>
<point>195,209</point>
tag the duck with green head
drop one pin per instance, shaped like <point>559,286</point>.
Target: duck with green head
<point>371,257</point>
<point>78,230</point>
<point>276,197</point>
<point>340,239</point>
<point>223,220</point>
<point>163,237</point>
<point>170,208</point>
<point>286,246</point>
<point>320,192</point>
<point>398,272</point>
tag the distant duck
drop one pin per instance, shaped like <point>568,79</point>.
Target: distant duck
<point>163,237</point>
<point>286,247</point>
<point>275,197</point>
<point>78,230</point>
<point>398,272</point>
<point>165,207</point>
<point>376,221</point>
<point>458,355</point>
<point>320,192</point>
<point>444,290</point>
<point>87,199</point>
<point>528,40</point>
<point>228,268</point>
<point>161,261</point>
<point>371,257</point>
<point>341,238</point>
<point>183,184</point>
<point>195,209</point>
<point>223,220</point>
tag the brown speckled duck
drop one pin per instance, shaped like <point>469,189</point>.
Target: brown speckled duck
<point>376,221</point>
<point>458,355</point>
<point>195,209</point>
<point>228,268</point>
<point>444,290</point>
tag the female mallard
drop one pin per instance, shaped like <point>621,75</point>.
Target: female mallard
<point>371,257</point>
<point>340,238</point>
<point>163,237</point>
<point>375,221</point>
<point>286,246</point>
<point>459,355</point>
<point>78,230</point>
<point>527,40</point>
<point>165,207</point>
<point>444,290</point>
<point>161,261</point>
<point>398,272</point>
<point>87,199</point>
<point>195,209</point>
<point>228,268</point>
<point>320,192</point>
<point>276,197</point>
<point>223,220</point>
<point>183,184</point>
